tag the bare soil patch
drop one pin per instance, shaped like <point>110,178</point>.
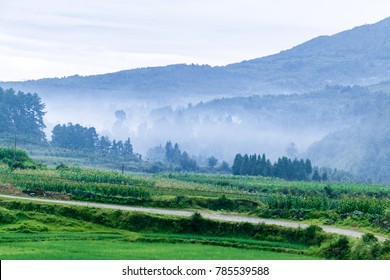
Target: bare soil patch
<point>10,189</point>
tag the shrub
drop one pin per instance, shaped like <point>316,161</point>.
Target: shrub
<point>368,248</point>
<point>369,238</point>
<point>16,158</point>
<point>313,235</point>
<point>6,216</point>
<point>339,249</point>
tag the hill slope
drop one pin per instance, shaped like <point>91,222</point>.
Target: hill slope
<point>339,127</point>
<point>358,56</point>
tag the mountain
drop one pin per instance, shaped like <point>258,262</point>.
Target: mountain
<point>359,56</point>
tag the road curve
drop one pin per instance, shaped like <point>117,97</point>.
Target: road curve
<point>186,213</point>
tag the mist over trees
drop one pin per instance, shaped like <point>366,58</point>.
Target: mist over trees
<point>76,137</point>
<point>173,157</point>
<point>285,168</point>
<point>317,125</point>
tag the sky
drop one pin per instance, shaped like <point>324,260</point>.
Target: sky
<point>57,38</point>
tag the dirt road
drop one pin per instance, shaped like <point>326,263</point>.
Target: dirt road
<point>185,213</point>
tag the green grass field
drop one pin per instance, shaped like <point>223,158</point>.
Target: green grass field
<point>122,250</point>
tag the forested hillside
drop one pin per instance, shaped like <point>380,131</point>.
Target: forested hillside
<point>339,127</point>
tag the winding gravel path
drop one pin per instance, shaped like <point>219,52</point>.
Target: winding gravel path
<point>185,213</point>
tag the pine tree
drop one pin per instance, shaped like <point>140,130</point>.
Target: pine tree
<point>308,167</point>
<point>176,154</point>
<point>212,162</point>
<point>169,151</point>
<point>237,164</point>
<point>128,153</point>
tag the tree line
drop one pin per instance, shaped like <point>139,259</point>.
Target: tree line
<point>76,137</point>
<point>285,168</point>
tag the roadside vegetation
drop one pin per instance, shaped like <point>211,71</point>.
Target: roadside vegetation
<point>31,230</point>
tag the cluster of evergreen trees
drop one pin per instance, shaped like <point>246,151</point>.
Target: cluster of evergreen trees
<point>285,168</point>
<point>173,155</point>
<point>21,114</point>
<point>77,137</point>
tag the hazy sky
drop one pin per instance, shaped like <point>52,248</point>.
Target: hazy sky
<point>55,38</point>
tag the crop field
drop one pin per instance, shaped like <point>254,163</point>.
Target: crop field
<point>62,231</point>
<point>362,206</point>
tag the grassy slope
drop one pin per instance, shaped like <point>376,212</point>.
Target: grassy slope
<point>33,235</point>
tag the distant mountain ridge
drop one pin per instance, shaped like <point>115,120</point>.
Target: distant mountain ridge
<point>358,56</point>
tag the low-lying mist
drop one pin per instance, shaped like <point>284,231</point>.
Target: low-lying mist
<point>338,127</point>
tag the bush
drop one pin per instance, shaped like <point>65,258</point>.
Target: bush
<point>368,248</point>
<point>16,158</point>
<point>369,238</point>
<point>6,216</point>
<point>313,235</point>
<point>339,249</point>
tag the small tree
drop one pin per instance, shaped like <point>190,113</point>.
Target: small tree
<point>308,167</point>
<point>212,162</point>
<point>324,176</point>
<point>316,176</point>
<point>224,167</point>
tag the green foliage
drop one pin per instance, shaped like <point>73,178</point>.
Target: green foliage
<point>339,249</point>
<point>21,114</point>
<point>285,168</point>
<point>105,248</point>
<point>27,227</point>
<point>101,176</point>
<point>195,224</point>
<point>88,185</point>
<point>346,204</point>
<point>74,137</point>
<point>212,161</point>
<point>40,219</point>
<point>16,158</point>
<point>6,216</point>
<point>368,248</point>
<point>181,160</point>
